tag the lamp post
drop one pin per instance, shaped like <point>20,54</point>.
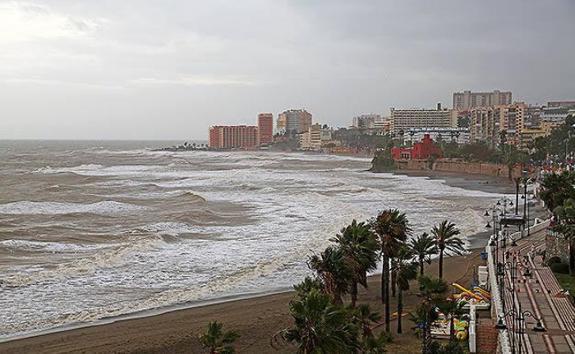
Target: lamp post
<point>518,316</point>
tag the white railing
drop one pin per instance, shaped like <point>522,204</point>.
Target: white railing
<point>472,332</point>
<point>504,344</point>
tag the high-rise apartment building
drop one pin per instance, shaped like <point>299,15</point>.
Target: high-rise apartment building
<point>266,128</point>
<point>484,126</point>
<point>406,119</point>
<point>556,104</point>
<point>315,138</point>
<point>234,137</point>
<point>294,121</point>
<point>366,121</point>
<point>487,123</point>
<point>466,100</point>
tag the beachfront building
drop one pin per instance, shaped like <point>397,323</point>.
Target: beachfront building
<point>294,121</point>
<point>488,123</point>
<point>234,137</point>
<point>484,126</point>
<point>371,124</point>
<point>315,138</point>
<point>456,135</point>
<point>402,120</point>
<point>467,100</point>
<point>512,120</point>
<point>366,121</point>
<point>555,112</point>
<point>422,150</point>
<point>266,128</point>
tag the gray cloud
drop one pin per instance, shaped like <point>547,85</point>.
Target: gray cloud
<point>168,69</point>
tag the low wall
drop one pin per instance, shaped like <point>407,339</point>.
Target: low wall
<point>556,246</point>
<point>458,166</point>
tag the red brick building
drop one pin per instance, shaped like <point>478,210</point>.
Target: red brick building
<point>234,137</point>
<point>266,128</point>
<point>419,151</point>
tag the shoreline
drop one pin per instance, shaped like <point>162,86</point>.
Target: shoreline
<point>475,241</point>
<point>257,318</point>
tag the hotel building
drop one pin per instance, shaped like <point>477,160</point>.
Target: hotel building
<point>234,137</point>
<point>266,128</point>
<point>294,121</point>
<point>403,120</point>
<point>466,100</point>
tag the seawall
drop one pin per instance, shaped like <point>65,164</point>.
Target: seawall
<point>458,166</point>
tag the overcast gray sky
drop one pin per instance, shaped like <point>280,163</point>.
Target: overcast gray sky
<point>168,69</point>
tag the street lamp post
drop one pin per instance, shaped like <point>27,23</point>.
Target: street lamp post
<point>518,316</point>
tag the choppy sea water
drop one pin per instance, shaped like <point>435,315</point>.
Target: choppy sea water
<point>90,230</point>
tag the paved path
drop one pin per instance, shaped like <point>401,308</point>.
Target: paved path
<point>540,295</point>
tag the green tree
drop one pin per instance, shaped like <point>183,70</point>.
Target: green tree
<point>423,247</point>
<point>320,326</point>
<point>405,270</point>
<point>453,309</point>
<point>557,188</point>
<point>392,228</point>
<point>447,241</point>
<point>566,226</point>
<point>365,320</point>
<point>307,285</point>
<point>360,249</point>
<point>431,292</point>
<point>334,272</point>
<point>217,341</point>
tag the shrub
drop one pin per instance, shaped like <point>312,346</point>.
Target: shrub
<point>561,268</point>
<point>553,260</point>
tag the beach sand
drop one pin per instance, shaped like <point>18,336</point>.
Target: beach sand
<point>256,319</point>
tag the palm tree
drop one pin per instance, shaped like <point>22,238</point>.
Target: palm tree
<point>364,319</point>
<point>303,288</point>
<point>452,309</point>
<point>423,247</point>
<point>360,249</point>
<point>334,272</point>
<point>447,241</point>
<point>432,292</point>
<point>405,270</point>
<point>320,326</point>
<point>392,228</point>
<point>217,341</point>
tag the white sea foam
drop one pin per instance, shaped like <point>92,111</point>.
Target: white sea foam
<point>291,204</point>
<point>55,208</point>
<point>49,246</point>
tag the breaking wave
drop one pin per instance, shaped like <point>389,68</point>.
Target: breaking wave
<point>55,208</point>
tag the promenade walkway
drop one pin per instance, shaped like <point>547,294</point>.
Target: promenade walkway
<point>531,293</point>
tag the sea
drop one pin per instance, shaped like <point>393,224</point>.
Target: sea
<point>93,230</point>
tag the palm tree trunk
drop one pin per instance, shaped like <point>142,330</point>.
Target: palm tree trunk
<point>451,328</point>
<point>399,310</point>
<point>571,257</point>
<point>441,264</point>
<point>421,267</point>
<point>353,293</point>
<point>386,292</point>
<point>393,282</point>
<point>383,280</point>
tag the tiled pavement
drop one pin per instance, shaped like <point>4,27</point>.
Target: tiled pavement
<point>539,295</point>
